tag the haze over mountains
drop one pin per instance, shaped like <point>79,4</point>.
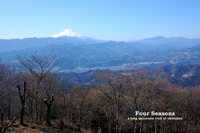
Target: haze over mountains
<point>77,53</point>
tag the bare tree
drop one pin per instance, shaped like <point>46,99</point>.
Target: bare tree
<point>82,94</point>
<point>48,102</point>
<point>114,89</point>
<point>39,68</point>
<point>22,96</point>
<point>4,123</point>
<point>6,82</point>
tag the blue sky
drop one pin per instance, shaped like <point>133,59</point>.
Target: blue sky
<point>102,19</point>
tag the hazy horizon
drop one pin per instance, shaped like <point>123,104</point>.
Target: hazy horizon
<point>133,39</point>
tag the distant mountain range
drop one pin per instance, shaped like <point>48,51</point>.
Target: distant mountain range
<point>76,53</point>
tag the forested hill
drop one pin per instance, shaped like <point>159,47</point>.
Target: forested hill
<point>83,54</point>
<point>182,75</point>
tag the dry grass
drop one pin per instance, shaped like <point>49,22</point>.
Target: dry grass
<point>39,128</point>
<point>36,128</point>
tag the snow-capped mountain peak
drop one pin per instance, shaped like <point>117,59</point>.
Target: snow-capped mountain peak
<point>66,33</point>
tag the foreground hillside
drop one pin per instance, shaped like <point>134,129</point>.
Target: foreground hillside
<point>38,94</point>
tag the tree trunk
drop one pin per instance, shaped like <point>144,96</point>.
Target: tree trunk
<point>135,128</point>
<point>9,108</point>
<point>155,126</point>
<point>48,102</point>
<point>22,115</point>
<point>116,128</point>
<point>22,96</point>
<point>109,127</point>
<point>48,115</point>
